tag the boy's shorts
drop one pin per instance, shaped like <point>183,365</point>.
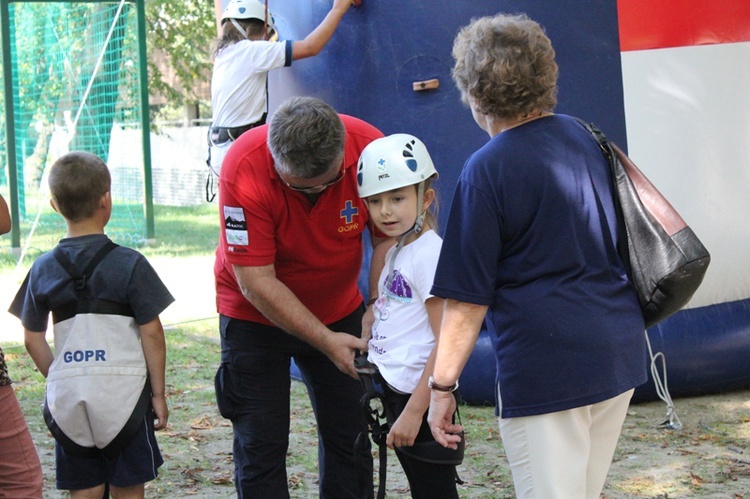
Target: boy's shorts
<point>136,464</point>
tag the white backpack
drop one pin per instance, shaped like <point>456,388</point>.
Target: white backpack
<point>97,387</point>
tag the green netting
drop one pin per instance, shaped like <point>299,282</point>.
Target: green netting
<point>75,73</point>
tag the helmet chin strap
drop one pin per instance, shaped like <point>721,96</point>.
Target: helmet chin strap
<point>239,27</point>
<point>415,229</point>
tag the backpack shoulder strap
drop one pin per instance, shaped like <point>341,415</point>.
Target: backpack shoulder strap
<point>81,277</point>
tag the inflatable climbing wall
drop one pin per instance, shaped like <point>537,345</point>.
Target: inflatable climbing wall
<point>667,81</point>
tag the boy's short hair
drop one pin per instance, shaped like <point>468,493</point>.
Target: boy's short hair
<point>305,136</point>
<point>77,182</point>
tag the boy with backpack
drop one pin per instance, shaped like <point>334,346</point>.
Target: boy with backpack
<point>106,380</point>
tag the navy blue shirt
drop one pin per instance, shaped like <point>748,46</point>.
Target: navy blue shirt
<point>124,276</point>
<point>531,233</point>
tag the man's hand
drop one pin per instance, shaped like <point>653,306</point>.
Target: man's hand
<point>341,348</point>
<point>368,319</point>
<point>440,416</point>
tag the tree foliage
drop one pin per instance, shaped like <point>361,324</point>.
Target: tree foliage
<point>182,32</point>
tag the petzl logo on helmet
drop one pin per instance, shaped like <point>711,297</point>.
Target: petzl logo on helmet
<point>382,169</point>
<point>382,166</point>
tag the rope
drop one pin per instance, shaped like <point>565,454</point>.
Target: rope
<point>673,421</point>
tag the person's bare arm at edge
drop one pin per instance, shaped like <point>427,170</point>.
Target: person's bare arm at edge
<point>155,352</point>
<point>458,335</point>
<point>5,222</point>
<point>377,262</point>
<point>39,350</point>
<point>319,37</point>
<point>276,301</point>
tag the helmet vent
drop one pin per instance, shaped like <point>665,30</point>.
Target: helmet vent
<point>411,163</point>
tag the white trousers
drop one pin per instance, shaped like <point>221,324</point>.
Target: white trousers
<point>566,454</point>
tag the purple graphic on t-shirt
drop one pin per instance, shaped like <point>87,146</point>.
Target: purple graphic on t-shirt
<point>398,288</point>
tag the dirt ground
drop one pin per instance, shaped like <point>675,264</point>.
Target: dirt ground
<point>708,458</point>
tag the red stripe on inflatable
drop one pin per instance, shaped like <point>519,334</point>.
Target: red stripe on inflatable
<point>656,24</point>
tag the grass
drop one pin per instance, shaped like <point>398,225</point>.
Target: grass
<point>704,460</point>
<point>179,232</point>
<point>197,444</point>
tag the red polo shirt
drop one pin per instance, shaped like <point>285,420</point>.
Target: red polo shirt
<point>316,249</point>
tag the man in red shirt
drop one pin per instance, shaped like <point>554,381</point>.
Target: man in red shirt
<point>286,272</point>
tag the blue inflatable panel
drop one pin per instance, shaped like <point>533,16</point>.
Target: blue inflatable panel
<point>383,47</point>
<point>369,68</point>
<point>707,350</point>
<point>294,371</point>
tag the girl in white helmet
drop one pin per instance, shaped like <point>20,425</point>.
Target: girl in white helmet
<point>247,49</point>
<point>394,177</point>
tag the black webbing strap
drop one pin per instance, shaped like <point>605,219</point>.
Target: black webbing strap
<point>80,278</point>
<point>373,384</point>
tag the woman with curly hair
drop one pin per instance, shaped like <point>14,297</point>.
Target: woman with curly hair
<point>565,320</point>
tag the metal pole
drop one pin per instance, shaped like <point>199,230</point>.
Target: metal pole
<point>145,122</point>
<point>10,128</point>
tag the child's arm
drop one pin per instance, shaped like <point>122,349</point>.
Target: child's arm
<point>155,351</point>
<point>405,429</point>
<point>315,41</point>
<point>5,222</point>
<point>377,262</point>
<point>39,350</point>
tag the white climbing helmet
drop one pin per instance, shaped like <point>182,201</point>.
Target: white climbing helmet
<point>247,9</point>
<point>393,162</point>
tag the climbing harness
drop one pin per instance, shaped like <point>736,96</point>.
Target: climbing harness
<point>379,419</point>
<point>373,405</point>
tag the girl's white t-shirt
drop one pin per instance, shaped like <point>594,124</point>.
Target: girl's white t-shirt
<point>238,83</point>
<point>402,338</point>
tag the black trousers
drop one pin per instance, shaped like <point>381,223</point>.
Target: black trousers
<point>426,480</point>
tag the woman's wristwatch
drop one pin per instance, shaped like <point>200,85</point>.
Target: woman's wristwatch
<point>441,388</point>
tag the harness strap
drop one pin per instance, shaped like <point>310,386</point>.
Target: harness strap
<point>220,134</point>
<point>374,386</point>
<point>80,278</point>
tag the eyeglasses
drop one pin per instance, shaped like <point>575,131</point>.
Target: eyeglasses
<point>317,188</point>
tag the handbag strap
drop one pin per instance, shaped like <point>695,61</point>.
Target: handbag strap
<point>609,153</point>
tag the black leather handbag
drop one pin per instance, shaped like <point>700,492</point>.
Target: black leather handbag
<point>667,261</point>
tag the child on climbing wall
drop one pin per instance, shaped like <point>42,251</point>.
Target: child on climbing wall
<point>247,49</point>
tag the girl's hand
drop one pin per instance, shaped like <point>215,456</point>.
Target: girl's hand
<point>404,430</point>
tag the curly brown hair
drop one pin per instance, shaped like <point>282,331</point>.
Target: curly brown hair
<point>505,66</point>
